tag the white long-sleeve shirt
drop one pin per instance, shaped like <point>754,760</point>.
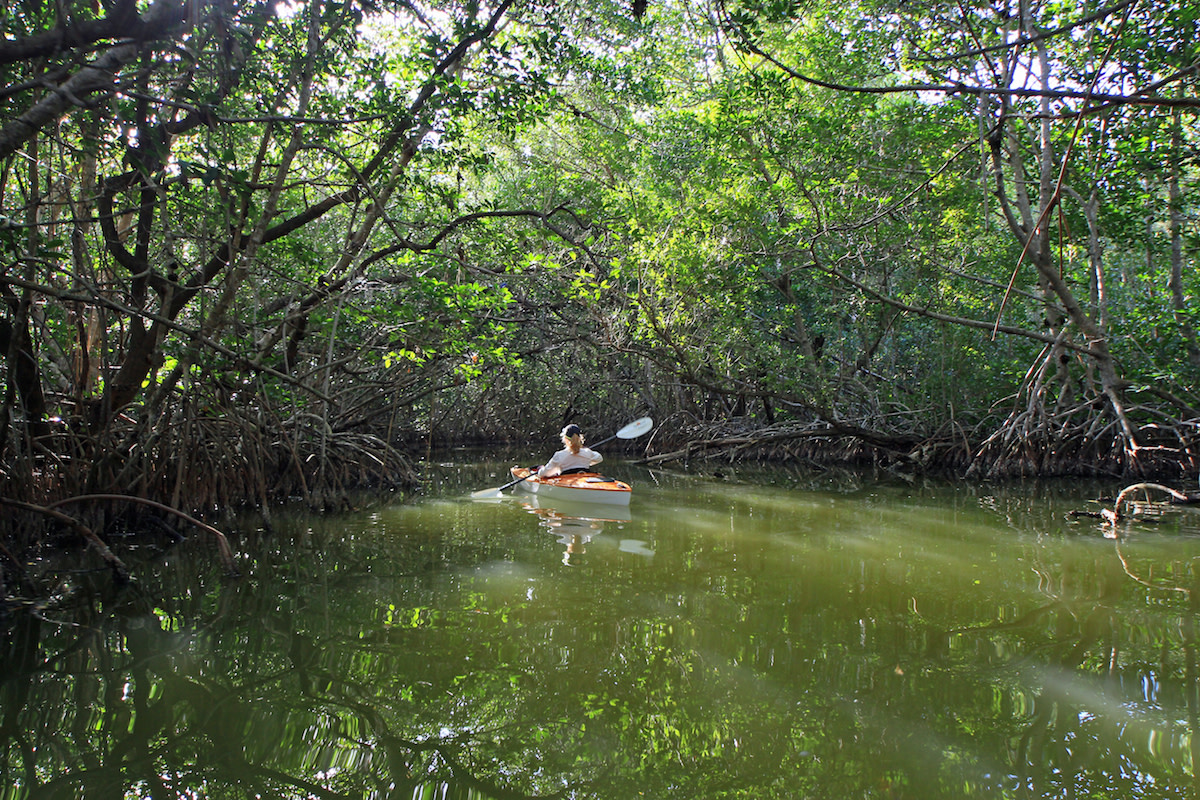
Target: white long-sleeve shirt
<point>564,460</point>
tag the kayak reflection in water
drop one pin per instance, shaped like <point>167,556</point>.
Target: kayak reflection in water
<point>574,457</point>
<point>575,524</point>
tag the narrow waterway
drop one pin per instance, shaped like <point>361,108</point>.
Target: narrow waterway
<point>752,634</point>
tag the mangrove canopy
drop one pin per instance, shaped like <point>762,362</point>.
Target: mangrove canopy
<point>257,251</point>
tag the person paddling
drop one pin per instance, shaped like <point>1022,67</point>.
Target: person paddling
<point>574,457</point>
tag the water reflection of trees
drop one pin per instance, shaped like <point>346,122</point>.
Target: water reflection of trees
<point>313,688</point>
<point>366,666</point>
<point>111,696</point>
<point>1094,673</point>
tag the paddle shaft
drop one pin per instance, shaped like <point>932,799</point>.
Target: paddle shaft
<point>602,441</point>
<point>514,482</point>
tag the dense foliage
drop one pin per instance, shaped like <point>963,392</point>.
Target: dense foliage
<point>256,250</point>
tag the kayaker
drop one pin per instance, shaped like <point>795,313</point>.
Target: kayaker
<point>574,457</point>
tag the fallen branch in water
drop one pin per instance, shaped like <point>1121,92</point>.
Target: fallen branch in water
<point>222,541</point>
<point>114,562</point>
<point>1115,514</point>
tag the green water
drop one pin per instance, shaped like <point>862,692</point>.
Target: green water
<point>757,635</point>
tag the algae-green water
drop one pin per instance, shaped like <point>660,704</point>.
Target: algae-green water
<point>748,634</point>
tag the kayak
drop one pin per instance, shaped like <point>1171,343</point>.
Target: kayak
<point>580,487</point>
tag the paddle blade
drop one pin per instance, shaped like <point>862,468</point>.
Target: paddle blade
<point>486,494</point>
<point>635,428</point>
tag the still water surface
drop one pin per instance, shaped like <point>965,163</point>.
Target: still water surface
<point>753,635</point>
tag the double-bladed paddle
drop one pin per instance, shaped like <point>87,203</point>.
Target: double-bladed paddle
<point>631,431</point>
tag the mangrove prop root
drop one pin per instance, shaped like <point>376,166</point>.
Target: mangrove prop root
<point>222,541</point>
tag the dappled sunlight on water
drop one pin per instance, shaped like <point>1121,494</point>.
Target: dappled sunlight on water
<point>762,634</point>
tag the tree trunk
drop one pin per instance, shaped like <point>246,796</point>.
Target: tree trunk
<point>1175,229</point>
<point>1031,228</point>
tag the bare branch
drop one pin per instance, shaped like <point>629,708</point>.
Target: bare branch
<point>1102,100</point>
<point>966,322</point>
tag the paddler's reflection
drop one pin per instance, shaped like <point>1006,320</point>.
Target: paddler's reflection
<point>575,549</point>
<point>572,532</point>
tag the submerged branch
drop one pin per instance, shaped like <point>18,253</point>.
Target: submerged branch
<point>1115,514</point>
<point>222,541</point>
<point>118,566</point>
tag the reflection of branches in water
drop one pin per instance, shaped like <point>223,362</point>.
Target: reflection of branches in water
<point>116,694</point>
<point>1032,749</point>
<point>1082,626</point>
<point>1142,581</point>
<point>1051,754</point>
<point>1191,688</point>
<point>1192,680</point>
<point>19,658</point>
<point>146,725</point>
<point>442,756</point>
